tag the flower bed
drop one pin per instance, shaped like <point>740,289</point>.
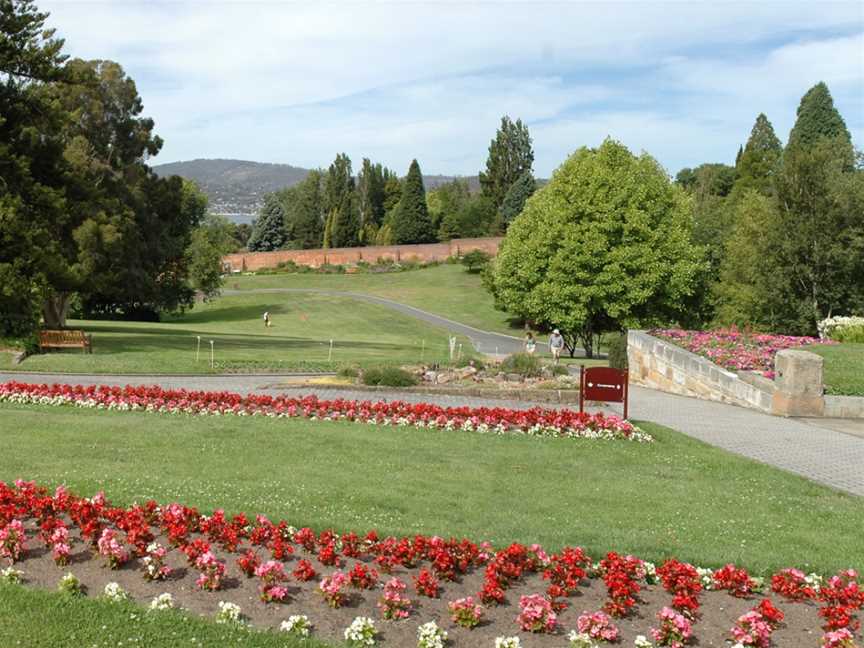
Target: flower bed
<point>499,420</point>
<point>544,596</point>
<point>736,350</point>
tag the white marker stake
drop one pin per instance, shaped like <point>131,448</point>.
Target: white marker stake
<point>198,350</point>
<point>423,351</point>
<point>330,352</point>
<point>212,363</point>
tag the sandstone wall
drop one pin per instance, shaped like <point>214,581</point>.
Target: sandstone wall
<point>250,261</point>
<point>666,367</point>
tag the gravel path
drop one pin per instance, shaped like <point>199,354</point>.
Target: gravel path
<point>824,455</point>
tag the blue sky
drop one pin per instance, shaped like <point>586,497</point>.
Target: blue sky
<point>298,82</point>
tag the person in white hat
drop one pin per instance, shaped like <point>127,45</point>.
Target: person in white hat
<point>556,344</point>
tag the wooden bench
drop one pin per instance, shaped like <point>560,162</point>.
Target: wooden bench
<point>70,339</point>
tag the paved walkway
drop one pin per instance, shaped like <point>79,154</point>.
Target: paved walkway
<point>828,456</point>
<point>484,341</point>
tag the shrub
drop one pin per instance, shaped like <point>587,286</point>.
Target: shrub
<point>850,334</point>
<point>478,364</point>
<point>348,371</point>
<point>522,364</point>
<point>618,351</point>
<point>475,260</point>
<point>558,370</point>
<point>389,377</point>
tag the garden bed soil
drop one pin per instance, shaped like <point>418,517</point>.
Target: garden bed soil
<point>801,628</point>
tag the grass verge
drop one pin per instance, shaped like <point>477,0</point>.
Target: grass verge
<point>674,497</point>
<point>844,368</point>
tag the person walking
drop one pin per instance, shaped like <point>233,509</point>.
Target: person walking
<point>530,343</point>
<point>266,319</point>
<point>556,344</point>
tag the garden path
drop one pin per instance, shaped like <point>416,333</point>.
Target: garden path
<point>827,456</point>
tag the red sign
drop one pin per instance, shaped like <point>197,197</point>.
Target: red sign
<point>603,384</point>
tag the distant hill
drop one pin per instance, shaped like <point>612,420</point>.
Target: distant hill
<point>236,188</point>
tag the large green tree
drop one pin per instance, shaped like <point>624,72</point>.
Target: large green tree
<point>605,245</point>
<point>340,204</point>
<point>411,222</point>
<point>304,213</point>
<point>446,200</point>
<point>758,161</point>
<point>515,198</point>
<point>475,218</point>
<point>268,232</point>
<point>510,156</point>
<point>817,119</point>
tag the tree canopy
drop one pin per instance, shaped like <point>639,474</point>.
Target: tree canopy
<point>510,156</point>
<point>411,222</point>
<point>603,246</point>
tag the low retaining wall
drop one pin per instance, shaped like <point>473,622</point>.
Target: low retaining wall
<point>666,367</point>
<point>798,389</point>
<point>250,261</point>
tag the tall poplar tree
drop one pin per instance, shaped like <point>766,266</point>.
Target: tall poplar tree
<point>340,204</point>
<point>510,156</point>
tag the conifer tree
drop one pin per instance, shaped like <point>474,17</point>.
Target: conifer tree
<point>757,163</point>
<point>510,155</point>
<point>269,231</point>
<point>514,200</point>
<point>340,204</point>
<point>817,119</point>
<point>411,221</point>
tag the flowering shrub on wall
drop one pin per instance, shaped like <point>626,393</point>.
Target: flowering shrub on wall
<point>498,420</point>
<point>736,350</point>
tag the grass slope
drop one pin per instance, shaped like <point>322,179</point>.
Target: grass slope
<point>844,368</point>
<point>446,290</point>
<point>36,619</point>
<point>303,324</point>
<point>674,497</point>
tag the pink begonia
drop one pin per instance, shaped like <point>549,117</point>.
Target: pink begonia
<point>752,629</point>
<point>674,630</point>
<point>597,626</point>
<point>393,605</point>
<point>112,549</point>
<point>153,562</point>
<point>842,638</point>
<point>212,571</point>
<point>331,588</point>
<point>271,574</point>
<point>60,547</point>
<point>536,614</point>
<point>12,541</point>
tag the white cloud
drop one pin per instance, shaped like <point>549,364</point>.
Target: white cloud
<point>296,82</point>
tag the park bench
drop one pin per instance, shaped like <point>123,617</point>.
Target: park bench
<point>71,339</point>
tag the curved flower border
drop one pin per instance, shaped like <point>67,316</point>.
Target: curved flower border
<point>496,420</point>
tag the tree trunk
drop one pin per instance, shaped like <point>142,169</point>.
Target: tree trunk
<point>54,309</point>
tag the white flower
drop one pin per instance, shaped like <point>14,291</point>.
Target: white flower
<point>706,575</point>
<point>508,642</point>
<point>580,640</point>
<point>228,613</point>
<point>297,624</point>
<point>113,592</point>
<point>429,635</point>
<point>641,641</point>
<point>162,602</point>
<point>11,575</point>
<point>70,584</point>
<point>361,632</point>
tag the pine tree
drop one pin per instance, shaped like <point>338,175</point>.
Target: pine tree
<point>305,214</point>
<point>510,155</point>
<point>370,193</point>
<point>757,163</point>
<point>514,200</point>
<point>411,222</point>
<point>817,119</point>
<point>269,231</point>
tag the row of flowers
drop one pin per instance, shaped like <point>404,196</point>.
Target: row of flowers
<point>535,421</point>
<point>736,350</point>
<point>118,535</point>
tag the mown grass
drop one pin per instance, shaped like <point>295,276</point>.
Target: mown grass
<point>303,325</point>
<point>674,497</point>
<point>32,618</point>
<point>844,368</point>
<point>447,290</point>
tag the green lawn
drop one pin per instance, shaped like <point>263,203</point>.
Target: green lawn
<point>674,497</point>
<point>303,324</point>
<point>37,619</point>
<point>844,368</point>
<point>447,290</point>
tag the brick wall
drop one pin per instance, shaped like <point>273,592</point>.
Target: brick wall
<point>249,261</point>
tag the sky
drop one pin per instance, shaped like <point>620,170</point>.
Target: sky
<point>299,82</point>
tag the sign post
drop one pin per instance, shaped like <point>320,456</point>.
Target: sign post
<point>603,384</point>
